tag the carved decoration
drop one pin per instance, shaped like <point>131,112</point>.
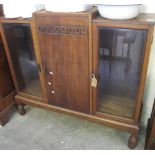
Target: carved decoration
<point>62,29</point>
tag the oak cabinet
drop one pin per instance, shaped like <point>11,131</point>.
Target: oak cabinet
<point>81,64</point>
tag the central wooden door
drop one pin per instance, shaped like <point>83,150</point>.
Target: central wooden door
<point>63,44</point>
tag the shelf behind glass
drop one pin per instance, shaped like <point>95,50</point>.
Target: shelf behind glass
<point>20,43</point>
<point>120,61</point>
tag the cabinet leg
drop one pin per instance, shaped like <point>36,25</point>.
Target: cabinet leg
<point>21,109</point>
<point>3,122</point>
<point>133,139</point>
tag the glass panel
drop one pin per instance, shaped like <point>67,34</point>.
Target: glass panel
<point>19,39</point>
<point>120,60</point>
<point>6,83</point>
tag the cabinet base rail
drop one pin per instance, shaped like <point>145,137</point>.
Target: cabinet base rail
<point>133,129</point>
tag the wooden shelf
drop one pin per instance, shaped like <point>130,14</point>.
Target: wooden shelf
<point>118,106</point>
<point>33,88</point>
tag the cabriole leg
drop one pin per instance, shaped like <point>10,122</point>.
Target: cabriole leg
<point>133,139</point>
<point>2,122</point>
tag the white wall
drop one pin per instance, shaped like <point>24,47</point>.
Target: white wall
<point>149,6</point>
<point>149,92</point>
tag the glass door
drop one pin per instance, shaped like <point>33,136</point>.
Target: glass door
<point>20,44</point>
<point>120,58</point>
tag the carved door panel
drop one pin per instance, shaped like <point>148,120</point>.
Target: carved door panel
<point>63,44</point>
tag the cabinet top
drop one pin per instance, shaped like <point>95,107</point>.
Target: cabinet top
<point>142,18</point>
<point>15,20</point>
<point>50,13</point>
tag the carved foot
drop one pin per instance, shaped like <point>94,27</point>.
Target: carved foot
<point>3,122</point>
<point>21,109</point>
<point>133,139</point>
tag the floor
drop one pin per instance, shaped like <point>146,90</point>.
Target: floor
<point>45,130</point>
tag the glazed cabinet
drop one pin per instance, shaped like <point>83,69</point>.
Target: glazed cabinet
<point>80,64</point>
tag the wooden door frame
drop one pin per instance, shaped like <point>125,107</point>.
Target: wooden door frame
<point>8,56</point>
<point>38,58</point>
<point>149,28</point>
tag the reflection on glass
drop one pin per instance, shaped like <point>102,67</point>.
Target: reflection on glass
<point>21,48</point>
<point>120,60</point>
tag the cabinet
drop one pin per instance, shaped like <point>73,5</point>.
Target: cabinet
<point>81,64</point>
